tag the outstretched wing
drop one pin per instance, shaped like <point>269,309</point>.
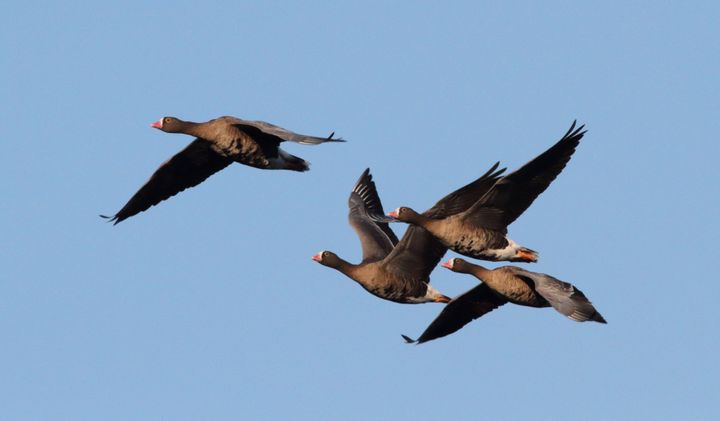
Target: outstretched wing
<point>376,238</point>
<point>186,169</point>
<point>365,188</point>
<point>562,296</point>
<point>460,311</point>
<point>252,127</point>
<point>511,195</point>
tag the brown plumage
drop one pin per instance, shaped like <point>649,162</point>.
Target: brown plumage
<point>481,230</point>
<point>507,284</point>
<point>217,144</point>
<point>395,270</point>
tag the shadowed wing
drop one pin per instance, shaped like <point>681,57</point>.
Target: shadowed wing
<point>460,311</point>
<point>187,168</point>
<point>416,255</point>
<point>515,192</point>
<point>376,238</point>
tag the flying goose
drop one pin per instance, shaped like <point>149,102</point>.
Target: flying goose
<point>218,143</point>
<point>481,230</point>
<point>506,284</point>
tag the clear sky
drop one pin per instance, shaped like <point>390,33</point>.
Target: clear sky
<point>209,307</point>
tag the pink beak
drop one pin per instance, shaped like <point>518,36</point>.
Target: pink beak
<point>157,124</point>
<point>448,264</point>
<point>394,214</point>
<point>317,257</point>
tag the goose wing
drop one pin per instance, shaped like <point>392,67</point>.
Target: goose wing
<point>186,169</point>
<point>512,194</point>
<point>460,311</point>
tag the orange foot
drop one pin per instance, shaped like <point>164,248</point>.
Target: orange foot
<point>527,255</point>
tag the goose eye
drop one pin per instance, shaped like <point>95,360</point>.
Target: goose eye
<point>325,254</point>
<point>167,119</point>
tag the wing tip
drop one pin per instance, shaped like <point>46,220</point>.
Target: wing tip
<point>576,133</point>
<point>364,181</point>
<point>331,139</point>
<point>493,172</point>
<point>597,317</point>
<point>409,340</point>
<point>114,219</point>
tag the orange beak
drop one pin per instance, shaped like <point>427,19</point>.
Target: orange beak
<point>317,257</point>
<point>448,264</point>
<point>157,124</point>
<point>394,214</point>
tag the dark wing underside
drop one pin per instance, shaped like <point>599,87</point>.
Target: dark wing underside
<point>281,134</point>
<point>186,169</point>
<point>416,255</point>
<point>460,311</point>
<point>515,192</point>
<point>376,238</point>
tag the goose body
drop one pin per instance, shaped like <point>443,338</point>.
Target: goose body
<point>384,281</point>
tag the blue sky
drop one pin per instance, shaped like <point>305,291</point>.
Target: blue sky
<point>209,307</point>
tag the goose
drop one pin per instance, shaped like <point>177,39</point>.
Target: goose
<point>218,143</point>
<point>502,285</point>
<point>480,231</point>
<point>395,270</point>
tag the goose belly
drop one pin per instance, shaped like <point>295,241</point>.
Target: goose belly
<point>399,292</point>
<point>397,295</point>
<point>246,153</point>
<point>477,244</point>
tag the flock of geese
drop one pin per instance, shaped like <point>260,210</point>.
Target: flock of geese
<point>471,221</point>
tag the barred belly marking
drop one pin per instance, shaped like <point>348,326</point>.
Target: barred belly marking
<point>464,245</point>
